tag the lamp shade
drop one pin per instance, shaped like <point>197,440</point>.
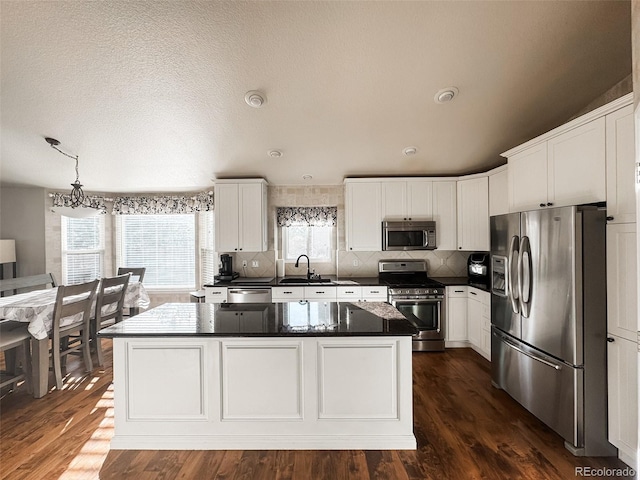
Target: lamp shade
<point>76,212</point>
<point>7,251</point>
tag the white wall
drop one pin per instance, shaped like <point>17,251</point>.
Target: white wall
<point>22,218</point>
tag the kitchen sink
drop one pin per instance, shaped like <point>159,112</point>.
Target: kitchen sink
<point>302,281</point>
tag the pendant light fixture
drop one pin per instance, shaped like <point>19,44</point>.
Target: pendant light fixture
<point>76,196</point>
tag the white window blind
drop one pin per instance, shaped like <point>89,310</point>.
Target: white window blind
<point>315,242</point>
<point>82,249</point>
<point>163,244</point>
<point>206,242</point>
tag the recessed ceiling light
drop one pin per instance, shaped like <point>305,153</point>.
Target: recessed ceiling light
<point>255,99</point>
<point>445,95</point>
<point>307,176</point>
<point>275,153</point>
<point>410,151</point>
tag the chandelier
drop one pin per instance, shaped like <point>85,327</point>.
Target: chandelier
<point>77,195</point>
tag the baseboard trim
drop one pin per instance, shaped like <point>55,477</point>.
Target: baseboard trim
<point>264,442</point>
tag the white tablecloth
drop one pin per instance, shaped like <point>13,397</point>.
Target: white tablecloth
<point>36,308</point>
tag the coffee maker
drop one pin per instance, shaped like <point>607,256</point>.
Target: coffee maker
<point>226,273</point>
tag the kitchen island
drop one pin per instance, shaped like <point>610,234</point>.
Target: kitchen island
<point>300,375</point>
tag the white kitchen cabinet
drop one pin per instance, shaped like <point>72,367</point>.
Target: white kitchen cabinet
<point>622,296</point>
<point>456,314</point>
<point>479,321</point>
<point>406,200</point>
<point>474,319</point>
<point>320,292</point>
<point>363,216</point>
<point>445,214</point>
<point>215,294</point>
<point>576,165</point>
<point>374,294</point>
<point>473,214</point>
<point>287,294</point>
<point>621,197</point>
<point>622,380</point>
<point>567,165</point>
<point>498,192</point>
<point>241,216</point>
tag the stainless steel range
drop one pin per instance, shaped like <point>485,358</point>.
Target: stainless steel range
<point>418,297</point>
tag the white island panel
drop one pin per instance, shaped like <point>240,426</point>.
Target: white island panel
<point>262,380</point>
<point>166,382</point>
<point>358,380</point>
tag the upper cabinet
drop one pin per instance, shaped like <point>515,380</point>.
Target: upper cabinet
<point>363,216</point>
<point>368,202</point>
<point>527,175</point>
<point>241,215</point>
<point>498,191</point>
<point>621,200</point>
<point>567,165</point>
<point>444,195</point>
<point>576,165</point>
<point>406,200</point>
<point>473,214</point>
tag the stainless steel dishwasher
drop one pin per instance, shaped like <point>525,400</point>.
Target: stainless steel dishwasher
<point>249,295</point>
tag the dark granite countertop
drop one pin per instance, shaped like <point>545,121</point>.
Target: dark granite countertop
<point>338,281</point>
<point>265,320</point>
<point>275,282</point>
<point>455,281</point>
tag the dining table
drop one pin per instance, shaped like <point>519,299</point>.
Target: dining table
<point>36,309</point>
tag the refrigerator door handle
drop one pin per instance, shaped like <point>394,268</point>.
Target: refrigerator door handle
<point>511,275</point>
<point>530,355</point>
<point>525,276</point>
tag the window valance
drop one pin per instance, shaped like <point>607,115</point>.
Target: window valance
<point>158,204</point>
<point>91,201</point>
<point>307,216</point>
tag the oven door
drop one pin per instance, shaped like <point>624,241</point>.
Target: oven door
<point>425,314</point>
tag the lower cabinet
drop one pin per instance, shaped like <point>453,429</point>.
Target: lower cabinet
<point>622,366</point>
<point>469,319</point>
<point>215,294</point>
<point>456,314</point>
<point>355,293</point>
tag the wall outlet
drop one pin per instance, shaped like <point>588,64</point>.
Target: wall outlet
<point>355,262</point>
<point>255,263</point>
<point>442,261</point>
<point>244,263</point>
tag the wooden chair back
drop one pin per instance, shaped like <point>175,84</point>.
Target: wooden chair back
<point>72,301</point>
<point>108,308</point>
<point>134,271</point>
<point>111,295</point>
<point>32,281</point>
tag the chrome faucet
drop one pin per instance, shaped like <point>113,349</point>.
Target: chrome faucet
<point>309,274</point>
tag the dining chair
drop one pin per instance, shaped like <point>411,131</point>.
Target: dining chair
<point>136,272</point>
<point>15,344</point>
<point>72,301</point>
<point>108,308</point>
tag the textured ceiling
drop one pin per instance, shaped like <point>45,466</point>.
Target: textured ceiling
<point>150,95</point>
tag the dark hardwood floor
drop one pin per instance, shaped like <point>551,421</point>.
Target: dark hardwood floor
<point>465,429</point>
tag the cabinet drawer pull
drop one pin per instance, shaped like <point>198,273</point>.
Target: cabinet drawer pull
<point>609,219</point>
<point>473,293</point>
<point>459,291</point>
<point>542,205</point>
<point>610,339</point>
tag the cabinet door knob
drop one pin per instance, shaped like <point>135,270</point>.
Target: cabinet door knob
<point>542,204</point>
<point>549,204</point>
<point>609,219</point>
<point>610,339</point>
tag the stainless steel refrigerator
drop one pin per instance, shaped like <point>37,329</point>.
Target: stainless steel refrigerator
<point>548,315</point>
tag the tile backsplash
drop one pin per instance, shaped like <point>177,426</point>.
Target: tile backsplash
<point>441,263</point>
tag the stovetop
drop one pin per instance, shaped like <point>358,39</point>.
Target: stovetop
<point>405,274</point>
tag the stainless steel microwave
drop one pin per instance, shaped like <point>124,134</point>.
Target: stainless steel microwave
<point>409,235</point>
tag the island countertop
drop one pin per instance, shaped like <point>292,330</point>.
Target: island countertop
<point>315,319</point>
